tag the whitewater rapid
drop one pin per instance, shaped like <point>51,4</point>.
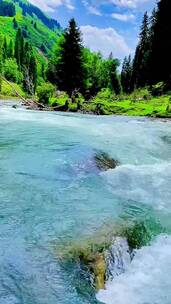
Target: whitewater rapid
<point>51,193</point>
<point>148,184</point>
<point>146,279</point>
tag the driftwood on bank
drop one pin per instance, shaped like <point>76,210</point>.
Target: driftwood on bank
<point>30,103</point>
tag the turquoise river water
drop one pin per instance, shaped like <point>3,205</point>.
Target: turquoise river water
<point>51,192</point>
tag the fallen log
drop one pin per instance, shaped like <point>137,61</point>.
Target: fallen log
<point>32,103</point>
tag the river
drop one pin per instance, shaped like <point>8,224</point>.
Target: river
<point>51,193</point>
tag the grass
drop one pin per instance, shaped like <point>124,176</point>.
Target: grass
<point>157,107</point>
<point>122,105</point>
<point>8,92</point>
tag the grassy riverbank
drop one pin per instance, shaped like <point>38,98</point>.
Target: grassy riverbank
<point>155,107</point>
<point>139,103</point>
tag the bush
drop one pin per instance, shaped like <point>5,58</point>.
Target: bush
<point>104,95</point>
<point>7,90</point>
<point>60,98</point>
<point>158,89</point>
<point>45,92</point>
<point>140,94</point>
<point>11,71</point>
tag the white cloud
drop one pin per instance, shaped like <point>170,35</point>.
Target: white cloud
<point>92,9</point>
<point>123,17</point>
<point>50,5</point>
<point>130,4</point>
<point>105,40</point>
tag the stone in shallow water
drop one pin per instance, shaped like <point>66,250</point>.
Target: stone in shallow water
<point>104,162</point>
<point>108,252</point>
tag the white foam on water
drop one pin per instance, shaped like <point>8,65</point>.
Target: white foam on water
<point>129,140</point>
<point>118,257</point>
<point>147,278</point>
<point>149,184</point>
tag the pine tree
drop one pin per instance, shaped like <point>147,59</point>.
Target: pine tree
<point>113,79</point>
<point>153,20</point>
<point>69,67</point>
<point>43,73</point>
<point>141,59</point>
<point>126,75</point>
<point>10,52</point>
<point>15,24</point>
<point>5,49</point>
<point>19,48</point>
<point>161,45</point>
<point>33,72</point>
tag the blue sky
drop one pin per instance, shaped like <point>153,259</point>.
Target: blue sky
<point>107,25</point>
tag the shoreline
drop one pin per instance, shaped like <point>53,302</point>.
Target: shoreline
<point>17,102</point>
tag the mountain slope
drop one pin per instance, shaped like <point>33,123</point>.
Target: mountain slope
<point>40,30</point>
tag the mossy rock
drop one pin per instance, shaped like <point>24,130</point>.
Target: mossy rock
<point>138,235</point>
<point>104,162</point>
<point>91,253</point>
<point>99,270</point>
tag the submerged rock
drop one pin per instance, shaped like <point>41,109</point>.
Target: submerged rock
<point>108,253</point>
<point>93,262</point>
<point>98,265</point>
<point>138,235</point>
<point>104,162</point>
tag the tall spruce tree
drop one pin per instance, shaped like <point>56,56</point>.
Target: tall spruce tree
<point>160,68</point>
<point>10,52</point>
<point>69,65</point>
<point>33,72</point>
<point>153,20</point>
<point>126,75</point>
<point>19,48</point>
<point>141,59</point>
<point>113,79</point>
<point>15,24</point>
<point>5,49</point>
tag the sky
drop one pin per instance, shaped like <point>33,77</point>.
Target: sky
<point>107,25</point>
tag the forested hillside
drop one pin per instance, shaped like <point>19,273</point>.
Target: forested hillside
<point>37,28</point>
<point>27,38</point>
<point>42,58</point>
<point>151,64</point>
<point>51,65</point>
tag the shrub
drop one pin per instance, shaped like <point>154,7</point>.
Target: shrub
<point>140,94</point>
<point>11,71</point>
<point>59,99</point>
<point>104,95</point>
<point>7,90</point>
<point>45,92</point>
<point>158,89</point>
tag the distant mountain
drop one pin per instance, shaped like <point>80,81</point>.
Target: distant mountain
<point>33,10</point>
<point>37,28</point>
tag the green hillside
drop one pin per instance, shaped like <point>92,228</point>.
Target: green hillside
<point>27,39</point>
<point>37,28</point>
